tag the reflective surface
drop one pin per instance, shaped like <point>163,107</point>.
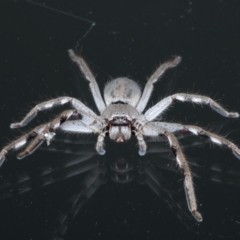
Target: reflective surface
<point>68,185</point>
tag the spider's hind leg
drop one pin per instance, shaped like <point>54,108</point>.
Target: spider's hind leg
<point>19,143</point>
<point>198,131</point>
<point>36,137</point>
<point>34,144</point>
<point>153,129</point>
<point>46,132</point>
<point>188,181</point>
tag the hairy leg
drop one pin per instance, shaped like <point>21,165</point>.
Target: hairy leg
<point>161,106</point>
<point>155,76</point>
<point>174,127</point>
<point>47,131</point>
<point>89,76</point>
<point>78,105</point>
<point>152,130</point>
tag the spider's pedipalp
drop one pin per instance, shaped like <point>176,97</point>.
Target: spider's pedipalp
<point>141,143</point>
<point>100,143</point>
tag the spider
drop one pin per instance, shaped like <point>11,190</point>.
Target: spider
<point>121,115</point>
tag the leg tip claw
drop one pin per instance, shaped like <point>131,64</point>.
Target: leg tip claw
<point>234,115</point>
<point>14,125</point>
<point>197,216</point>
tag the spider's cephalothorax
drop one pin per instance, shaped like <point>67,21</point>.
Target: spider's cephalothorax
<point>121,115</point>
<point>121,96</point>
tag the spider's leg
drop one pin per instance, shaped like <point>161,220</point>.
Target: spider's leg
<point>174,127</point>
<point>20,142</point>
<point>46,133</point>
<point>60,122</point>
<point>77,126</point>
<point>150,129</point>
<point>161,106</point>
<point>188,181</point>
<point>155,76</point>
<point>43,135</point>
<point>36,137</point>
<point>92,81</point>
<point>82,109</point>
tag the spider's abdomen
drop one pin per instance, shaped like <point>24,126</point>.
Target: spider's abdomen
<point>122,90</point>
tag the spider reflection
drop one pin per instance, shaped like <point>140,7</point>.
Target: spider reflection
<point>92,171</point>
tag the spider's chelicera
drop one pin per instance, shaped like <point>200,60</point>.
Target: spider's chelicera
<point>121,115</point>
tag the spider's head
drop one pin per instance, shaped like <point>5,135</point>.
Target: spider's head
<point>119,129</point>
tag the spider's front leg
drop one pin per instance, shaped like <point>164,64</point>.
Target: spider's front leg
<point>89,76</point>
<point>161,106</point>
<point>152,130</point>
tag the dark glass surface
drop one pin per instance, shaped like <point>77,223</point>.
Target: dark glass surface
<point>119,39</point>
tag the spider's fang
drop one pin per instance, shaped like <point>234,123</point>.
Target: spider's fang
<point>49,136</point>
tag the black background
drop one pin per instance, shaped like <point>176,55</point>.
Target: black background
<point>128,39</point>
